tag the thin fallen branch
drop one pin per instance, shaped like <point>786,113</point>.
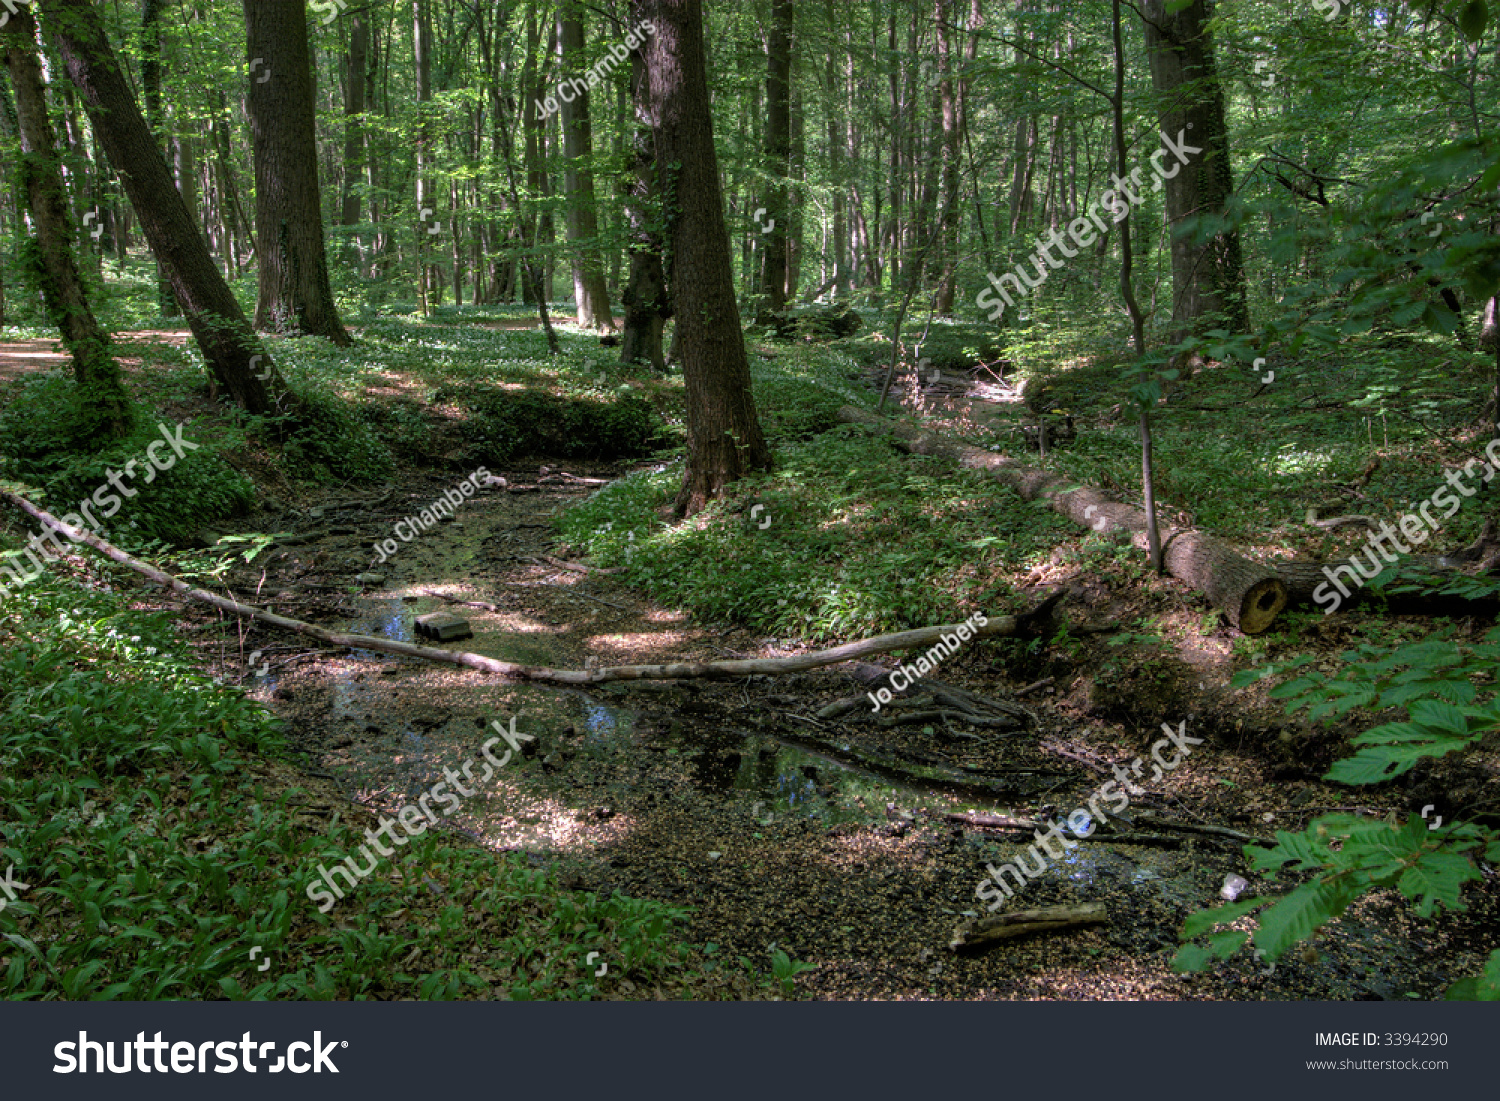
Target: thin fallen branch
<point>481,604</point>
<point>576,567</point>
<point>1193,827</point>
<point>998,627</point>
<point>1018,924</point>
<point>993,821</point>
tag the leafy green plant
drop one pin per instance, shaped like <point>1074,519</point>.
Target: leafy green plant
<point>787,969</point>
<point>1447,689</point>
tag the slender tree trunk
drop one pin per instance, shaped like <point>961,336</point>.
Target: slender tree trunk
<point>294,292</point>
<point>1208,279</point>
<point>837,173</point>
<point>948,242</point>
<point>356,64</point>
<point>778,154</point>
<point>94,369</point>
<point>646,299</point>
<point>1127,292</point>
<point>590,296</point>
<point>421,38</point>
<point>724,436</point>
<point>150,46</point>
<point>223,334</point>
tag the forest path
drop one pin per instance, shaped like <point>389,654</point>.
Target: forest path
<point>36,354</point>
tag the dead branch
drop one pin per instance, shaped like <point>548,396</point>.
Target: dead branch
<point>1019,924</point>
<point>997,627</point>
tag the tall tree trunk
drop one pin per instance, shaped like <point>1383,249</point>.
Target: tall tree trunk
<point>1208,279</point>
<point>356,63</point>
<point>150,46</point>
<point>778,153</point>
<point>105,404</point>
<point>724,436</point>
<point>797,194</point>
<point>589,293</point>
<point>948,241</point>
<point>838,181</point>
<point>646,299</point>
<point>219,325</point>
<point>421,44</point>
<point>294,293</point>
<point>1127,292</point>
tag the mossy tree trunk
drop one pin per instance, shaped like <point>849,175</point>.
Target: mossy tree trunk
<point>39,172</point>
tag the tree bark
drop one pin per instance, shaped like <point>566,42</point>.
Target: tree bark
<point>294,293</point>
<point>1249,594</point>
<point>778,155</point>
<point>590,296</point>
<point>106,406</point>
<point>223,334</point>
<point>1208,279</point>
<point>150,47</point>
<point>724,436</point>
<point>356,64</point>
<point>646,298</point>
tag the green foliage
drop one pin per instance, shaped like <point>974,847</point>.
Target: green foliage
<point>330,441</point>
<point>858,541</point>
<point>1446,688</point>
<point>43,445</point>
<point>44,420</point>
<point>787,969</point>
<point>506,424</point>
<point>154,861</point>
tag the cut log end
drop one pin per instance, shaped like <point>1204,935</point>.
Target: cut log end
<point>1260,605</point>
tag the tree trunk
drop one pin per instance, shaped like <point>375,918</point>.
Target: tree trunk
<point>646,299</point>
<point>421,45</point>
<point>948,112</point>
<point>357,61</point>
<point>1249,594</point>
<point>724,436</point>
<point>104,402</point>
<point>778,154</point>
<point>150,47</point>
<point>590,296</point>
<point>294,293</point>
<point>1208,279</point>
<point>219,325</point>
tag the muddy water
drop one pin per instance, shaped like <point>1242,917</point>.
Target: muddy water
<point>593,767</point>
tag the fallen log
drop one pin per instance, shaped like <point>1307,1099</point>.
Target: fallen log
<point>1018,924</point>
<point>1249,594</point>
<point>1005,626</point>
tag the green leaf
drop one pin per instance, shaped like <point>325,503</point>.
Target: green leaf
<point>1444,716</point>
<point>1438,878</point>
<point>1302,913</point>
<point>1190,957</point>
<point>1473,18</point>
<point>1203,920</point>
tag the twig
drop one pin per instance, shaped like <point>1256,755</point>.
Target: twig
<point>1005,626</point>
<point>466,603</point>
<point>1033,687</point>
<point>1218,831</point>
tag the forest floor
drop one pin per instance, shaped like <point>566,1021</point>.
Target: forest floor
<point>776,827</point>
<point>824,838</point>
